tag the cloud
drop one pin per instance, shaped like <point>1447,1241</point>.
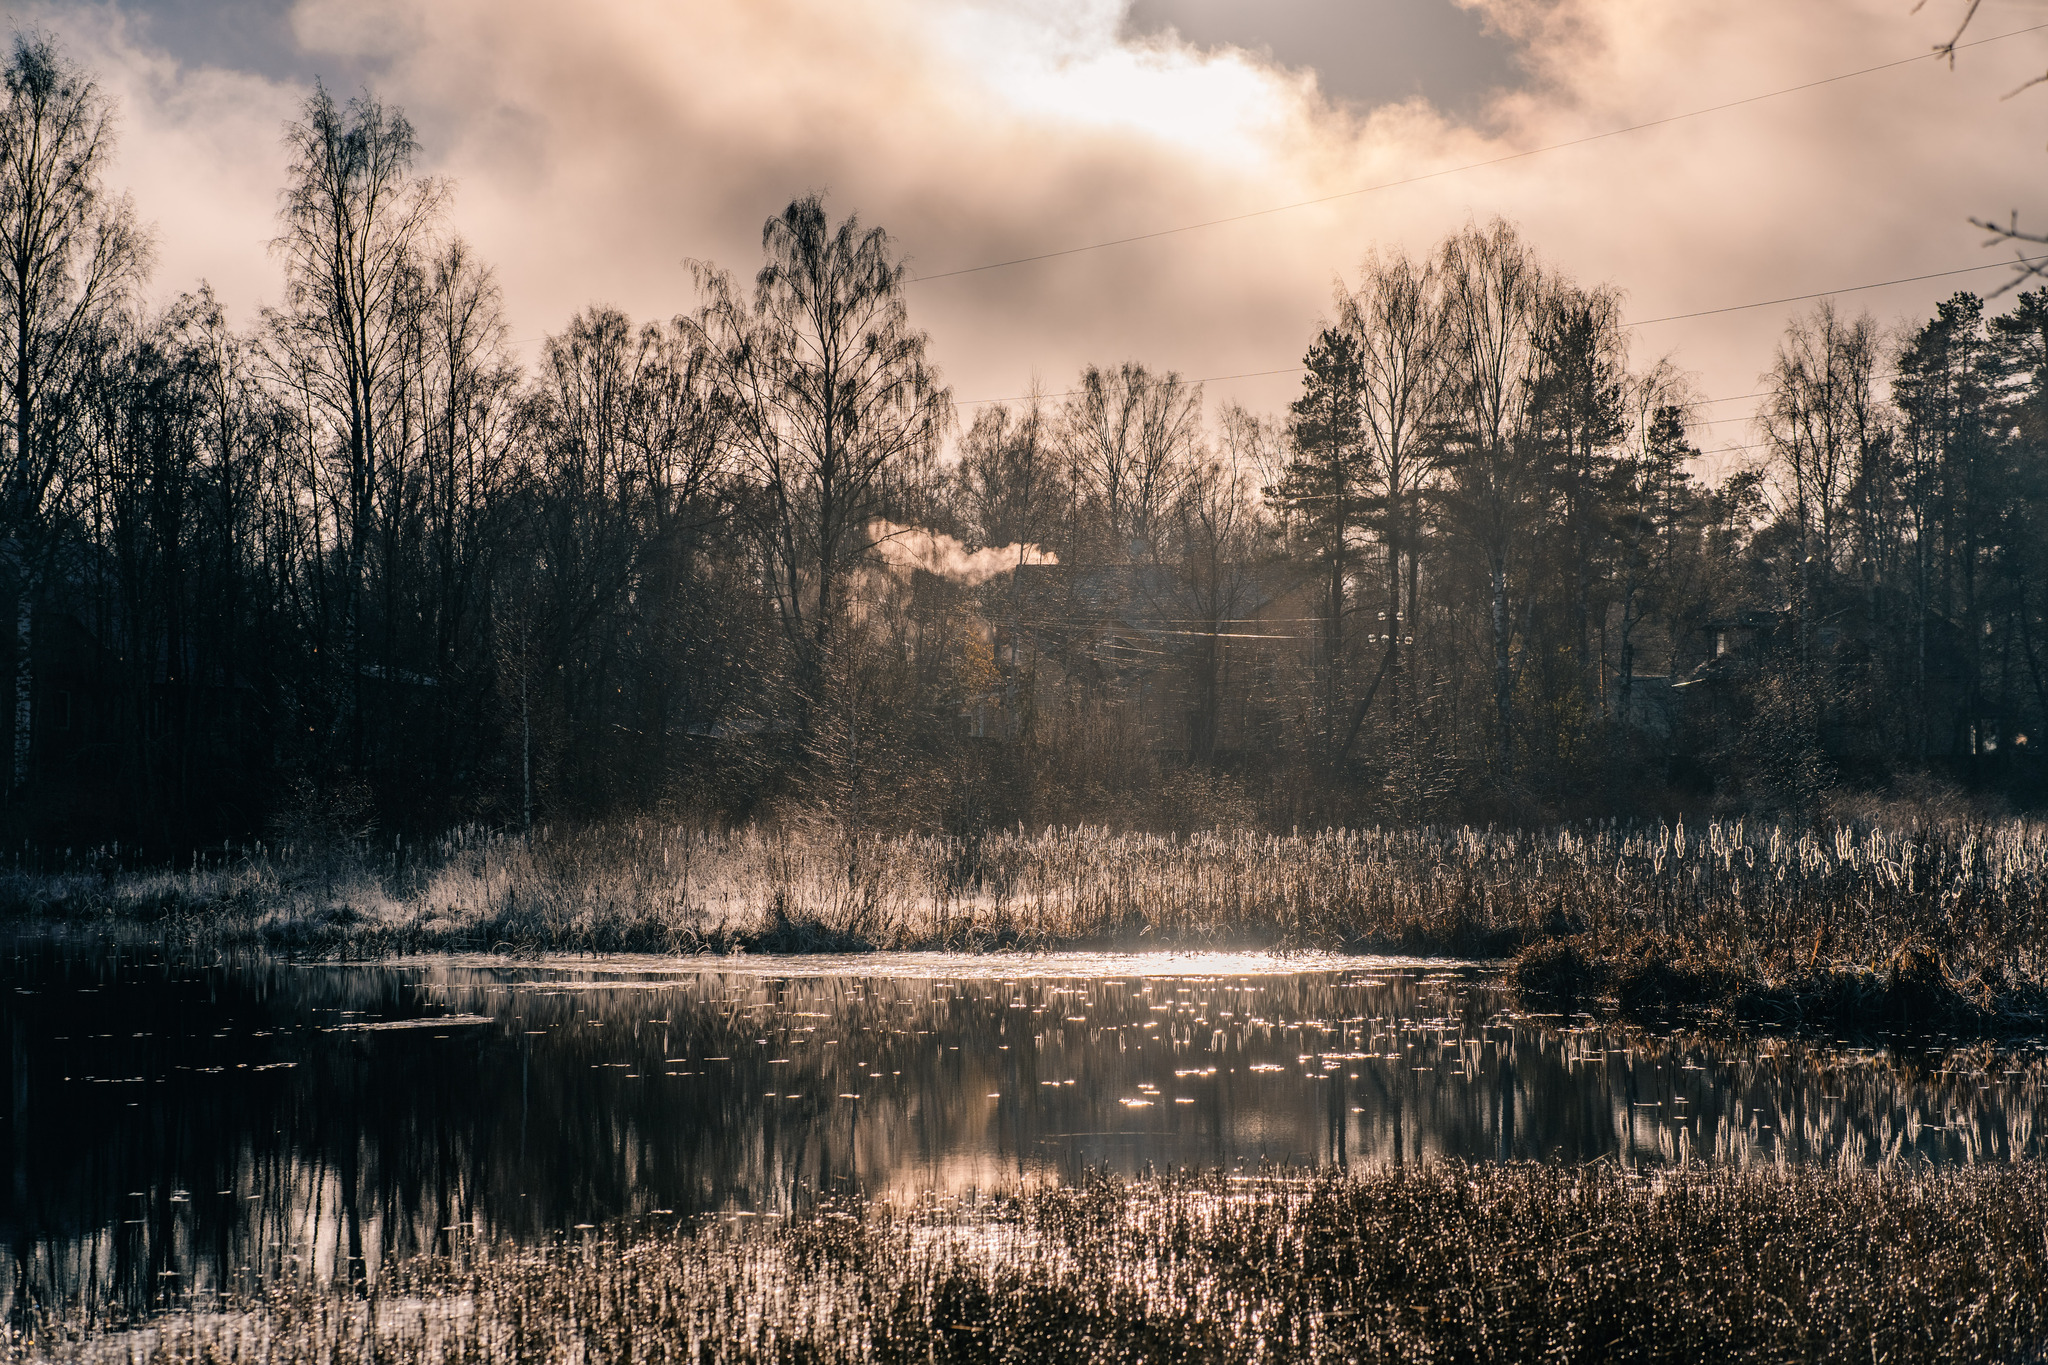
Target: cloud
<point>596,147</point>
<point>200,150</point>
<point>1376,53</point>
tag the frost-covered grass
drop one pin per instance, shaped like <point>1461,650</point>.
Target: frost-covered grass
<point>1849,924</point>
<point>1446,1262</point>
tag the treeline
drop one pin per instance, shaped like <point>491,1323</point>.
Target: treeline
<point>352,566</point>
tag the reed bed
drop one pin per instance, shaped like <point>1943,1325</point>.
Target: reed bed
<point>1945,925</point>
<point>1446,1262</point>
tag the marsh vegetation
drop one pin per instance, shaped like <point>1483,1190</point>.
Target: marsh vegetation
<point>740,636</point>
<point>1946,925</point>
<point>1440,1262</point>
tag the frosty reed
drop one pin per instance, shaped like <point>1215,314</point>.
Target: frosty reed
<point>1443,1262</point>
<point>1946,925</point>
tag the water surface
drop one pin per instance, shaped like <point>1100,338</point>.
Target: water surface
<point>171,1122</point>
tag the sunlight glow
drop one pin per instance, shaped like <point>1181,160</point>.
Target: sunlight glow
<point>1065,64</point>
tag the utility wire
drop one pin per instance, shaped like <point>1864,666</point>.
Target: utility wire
<point>1947,50</point>
<point>1471,165</point>
<point>1644,322</point>
<point>1829,293</point>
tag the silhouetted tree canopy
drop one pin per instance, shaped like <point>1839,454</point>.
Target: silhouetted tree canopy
<point>354,566</point>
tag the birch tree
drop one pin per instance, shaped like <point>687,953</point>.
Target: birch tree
<point>356,230</point>
<point>1398,318</point>
<point>830,391</point>
<point>71,255</point>
<point>1495,290</point>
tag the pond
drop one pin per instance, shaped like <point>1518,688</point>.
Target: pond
<point>177,1123</point>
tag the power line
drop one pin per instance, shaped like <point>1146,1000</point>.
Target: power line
<point>1494,161</point>
<point>1645,322</point>
<point>1828,293</point>
<point>1467,166</point>
<point>1642,322</point>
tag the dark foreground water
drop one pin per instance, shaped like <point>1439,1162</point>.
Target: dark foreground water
<point>168,1123</point>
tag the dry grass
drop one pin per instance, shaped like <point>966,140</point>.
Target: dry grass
<point>1937,925</point>
<point>1447,1262</point>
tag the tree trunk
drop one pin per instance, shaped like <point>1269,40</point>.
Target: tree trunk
<point>24,682</point>
<point>1394,660</point>
<point>1503,670</point>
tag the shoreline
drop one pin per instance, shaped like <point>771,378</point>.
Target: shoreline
<point>1644,983</point>
<point>1721,927</point>
<point>1634,984</point>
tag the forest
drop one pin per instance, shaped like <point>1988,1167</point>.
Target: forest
<point>352,566</point>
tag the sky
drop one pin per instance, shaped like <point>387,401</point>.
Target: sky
<point>596,149</point>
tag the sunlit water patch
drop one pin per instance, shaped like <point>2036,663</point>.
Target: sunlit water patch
<point>168,1123</point>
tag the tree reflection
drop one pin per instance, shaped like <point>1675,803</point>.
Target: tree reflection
<point>178,1125</point>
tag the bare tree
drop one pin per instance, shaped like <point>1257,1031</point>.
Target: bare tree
<point>356,226</point>
<point>830,390</point>
<point>1495,289</point>
<point>1818,424</point>
<point>1217,542</point>
<point>1398,317</point>
<point>70,257</point>
<point>2009,232</point>
<point>1130,437</point>
<point>465,390</point>
<point>450,505</point>
<point>230,404</point>
<point>1012,488</point>
<point>677,458</point>
<point>581,427</point>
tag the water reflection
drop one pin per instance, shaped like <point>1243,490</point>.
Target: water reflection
<point>177,1124</point>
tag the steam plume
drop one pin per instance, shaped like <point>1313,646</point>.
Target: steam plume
<point>903,548</point>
